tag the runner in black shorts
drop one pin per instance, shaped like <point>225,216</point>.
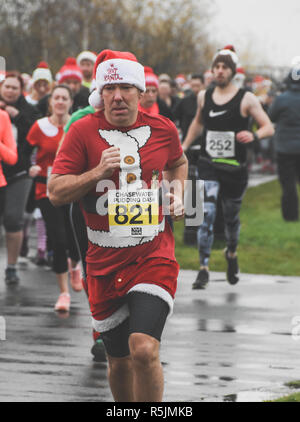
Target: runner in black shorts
<point>223,112</point>
<point>131,268</point>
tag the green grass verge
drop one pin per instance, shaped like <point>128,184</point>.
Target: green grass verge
<point>268,244</point>
<point>291,397</point>
<point>288,399</point>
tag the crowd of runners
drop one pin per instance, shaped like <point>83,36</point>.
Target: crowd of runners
<point>107,118</point>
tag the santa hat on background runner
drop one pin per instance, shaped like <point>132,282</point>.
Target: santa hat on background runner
<point>70,70</point>
<point>239,77</point>
<point>115,67</point>
<point>180,79</point>
<point>228,56</point>
<point>150,78</point>
<point>42,72</point>
<point>86,55</point>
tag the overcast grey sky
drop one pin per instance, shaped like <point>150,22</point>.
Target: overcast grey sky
<point>270,27</point>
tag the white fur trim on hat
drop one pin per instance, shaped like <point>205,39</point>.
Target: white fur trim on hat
<point>117,71</point>
<point>95,99</point>
<point>230,53</point>
<point>86,55</point>
<point>42,74</point>
<point>155,290</point>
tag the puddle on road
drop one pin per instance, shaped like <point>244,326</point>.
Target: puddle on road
<point>216,325</point>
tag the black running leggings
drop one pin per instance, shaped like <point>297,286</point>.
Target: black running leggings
<point>2,199</point>
<point>61,236</point>
<point>147,315</point>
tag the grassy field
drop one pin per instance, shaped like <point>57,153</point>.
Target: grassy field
<point>268,244</point>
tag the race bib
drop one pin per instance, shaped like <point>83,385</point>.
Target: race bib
<point>133,213</point>
<point>220,144</point>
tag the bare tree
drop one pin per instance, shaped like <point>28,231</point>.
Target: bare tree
<point>170,35</point>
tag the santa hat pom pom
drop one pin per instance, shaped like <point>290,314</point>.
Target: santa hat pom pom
<point>229,47</point>
<point>95,99</point>
<point>43,65</point>
<point>148,69</point>
<point>70,61</point>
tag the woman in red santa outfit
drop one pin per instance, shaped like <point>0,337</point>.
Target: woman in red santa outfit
<point>8,152</point>
<point>46,135</point>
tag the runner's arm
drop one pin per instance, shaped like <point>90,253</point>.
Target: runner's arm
<point>176,175</point>
<point>254,109</point>
<point>64,189</point>
<point>196,126</point>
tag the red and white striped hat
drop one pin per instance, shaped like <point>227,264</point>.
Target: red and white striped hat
<point>150,78</point>
<point>70,70</point>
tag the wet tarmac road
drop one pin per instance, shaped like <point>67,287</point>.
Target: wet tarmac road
<point>227,343</point>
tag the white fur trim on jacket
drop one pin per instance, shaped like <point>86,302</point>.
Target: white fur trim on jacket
<point>47,127</point>
<point>153,289</point>
<point>106,240</point>
<point>121,314</point>
<point>112,321</point>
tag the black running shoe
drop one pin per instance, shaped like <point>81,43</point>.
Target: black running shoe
<point>232,268</point>
<point>11,276</point>
<point>201,280</point>
<point>98,351</point>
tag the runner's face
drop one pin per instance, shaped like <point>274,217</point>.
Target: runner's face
<point>60,102</point>
<point>87,67</point>
<point>42,87</point>
<point>11,90</point>
<point>222,74</point>
<point>121,104</point>
<point>196,85</point>
<point>73,84</point>
<point>149,97</point>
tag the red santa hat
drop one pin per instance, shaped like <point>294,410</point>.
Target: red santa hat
<point>180,79</point>
<point>116,67</point>
<point>240,70</point>
<point>150,78</point>
<point>42,72</point>
<point>70,70</point>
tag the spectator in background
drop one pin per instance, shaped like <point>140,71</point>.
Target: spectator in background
<point>41,83</point>
<point>8,153</point>
<point>71,75</point>
<point>148,101</point>
<point>186,109</point>
<point>285,112</point>
<point>165,100</point>
<point>175,92</point>
<point>181,82</point>
<point>208,78</point>
<point>184,113</point>
<point>239,78</point>
<point>27,83</point>
<point>46,135</point>
<point>86,60</point>
<point>22,116</point>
